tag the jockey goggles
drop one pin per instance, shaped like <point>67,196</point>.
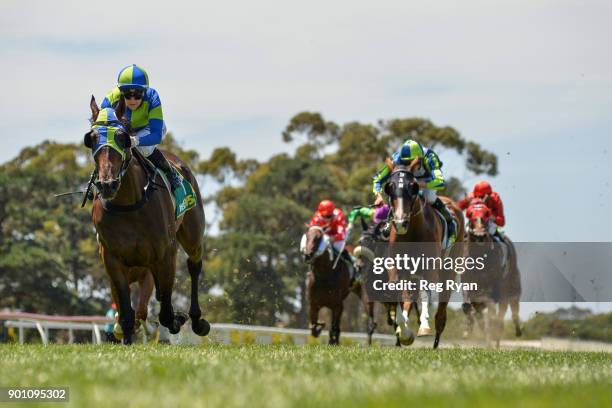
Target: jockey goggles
<point>133,94</point>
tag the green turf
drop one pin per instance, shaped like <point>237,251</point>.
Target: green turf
<point>254,376</point>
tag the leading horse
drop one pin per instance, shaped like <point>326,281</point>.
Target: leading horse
<point>414,221</point>
<point>137,229</point>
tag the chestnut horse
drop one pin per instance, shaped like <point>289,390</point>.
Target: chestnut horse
<point>414,221</point>
<point>137,229</point>
<point>327,286</point>
<point>506,288</point>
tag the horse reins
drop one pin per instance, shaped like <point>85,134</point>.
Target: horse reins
<point>147,190</point>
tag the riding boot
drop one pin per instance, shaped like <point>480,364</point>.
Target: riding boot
<point>158,159</point>
<point>450,222</point>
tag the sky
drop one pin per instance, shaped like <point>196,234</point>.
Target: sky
<point>528,80</point>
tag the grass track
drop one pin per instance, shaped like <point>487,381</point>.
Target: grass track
<point>266,375</point>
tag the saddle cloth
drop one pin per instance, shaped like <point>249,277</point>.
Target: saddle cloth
<point>183,198</point>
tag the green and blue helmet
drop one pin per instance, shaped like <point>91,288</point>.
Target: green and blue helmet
<point>410,150</point>
<point>132,77</point>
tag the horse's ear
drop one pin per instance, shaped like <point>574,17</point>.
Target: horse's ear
<point>94,108</point>
<point>120,109</point>
<point>415,188</point>
<point>389,163</point>
<point>414,164</point>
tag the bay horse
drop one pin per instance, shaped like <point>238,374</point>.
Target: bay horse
<point>137,230</point>
<point>327,286</point>
<point>364,255</point>
<point>507,283</point>
<point>414,221</point>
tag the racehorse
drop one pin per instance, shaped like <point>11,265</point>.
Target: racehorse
<point>136,225</point>
<point>414,221</point>
<point>327,286</point>
<point>364,254</point>
<point>506,288</point>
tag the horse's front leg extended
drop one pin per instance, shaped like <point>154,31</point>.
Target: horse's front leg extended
<point>120,288</point>
<point>199,326</point>
<point>334,333</point>
<point>164,279</point>
<point>402,330</point>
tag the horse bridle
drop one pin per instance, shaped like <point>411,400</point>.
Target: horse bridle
<point>125,164</point>
<point>316,253</point>
<point>409,214</point>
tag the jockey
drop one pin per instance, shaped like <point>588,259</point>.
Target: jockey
<point>333,222</point>
<point>144,112</point>
<point>483,191</point>
<point>429,177</point>
<point>377,214</point>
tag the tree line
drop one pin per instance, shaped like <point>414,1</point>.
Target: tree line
<point>253,270</point>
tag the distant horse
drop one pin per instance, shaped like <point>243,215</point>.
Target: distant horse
<point>327,286</point>
<point>503,281</point>
<point>364,255</point>
<point>137,228</point>
<point>414,221</point>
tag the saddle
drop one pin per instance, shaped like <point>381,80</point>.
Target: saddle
<point>183,199</point>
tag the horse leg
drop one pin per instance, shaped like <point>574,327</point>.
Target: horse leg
<point>315,326</point>
<point>440,322</point>
<point>189,236</point>
<point>424,329</point>
<point>369,309</point>
<point>468,311</point>
<point>121,288</point>
<point>199,326</point>
<point>145,285</point>
<point>402,330</point>
<point>371,322</point>
<point>164,273</point>
<point>501,313</point>
<point>514,307</point>
<point>334,332</point>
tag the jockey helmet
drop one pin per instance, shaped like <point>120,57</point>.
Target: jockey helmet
<point>326,208</point>
<point>482,189</point>
<point>410,150</point>
<point>133,76</point>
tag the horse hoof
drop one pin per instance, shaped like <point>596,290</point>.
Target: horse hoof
<point>424,331</point>
<point>179,320</point>
<point>127,340</point>
<point>118,331</point>
<point>519,332</point>
<point>405,335</point>
<point>200,327</point>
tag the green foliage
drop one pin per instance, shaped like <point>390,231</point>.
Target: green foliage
<point>589,327</point>
<point>253,261</point>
